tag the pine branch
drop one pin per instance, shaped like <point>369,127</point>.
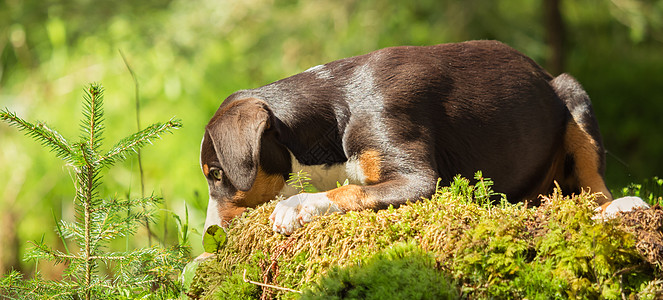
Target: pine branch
<point>88,174</point>
<point>42,251</point>
<point>138,140</point>
<point>92,124</point>
<point>109,257</point>
<point>109,227</point>
<point>87,177</point>
<point>111,219</point>
<point>119,205</point>
<point>71,230</point>
<point>42,133</point>
<point>13,286</point>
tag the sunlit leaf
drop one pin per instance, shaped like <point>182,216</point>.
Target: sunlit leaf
<point>214,239</point>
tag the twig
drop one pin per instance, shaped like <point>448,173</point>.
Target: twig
<point>628,269</point>
<point>268,285</point>
<point>138,151</point>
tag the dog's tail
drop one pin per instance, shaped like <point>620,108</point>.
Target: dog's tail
<point>584,164</point>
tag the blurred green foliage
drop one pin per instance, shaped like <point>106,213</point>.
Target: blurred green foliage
<point>189,55</point>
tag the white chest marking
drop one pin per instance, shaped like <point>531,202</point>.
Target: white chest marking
<point>325,178</point>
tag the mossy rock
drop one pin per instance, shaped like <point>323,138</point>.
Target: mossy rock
<point>481,249</point>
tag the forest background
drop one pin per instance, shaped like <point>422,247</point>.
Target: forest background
<point>189,55</point>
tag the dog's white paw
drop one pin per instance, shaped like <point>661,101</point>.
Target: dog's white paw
<point>610,210</point>
<point>294,212</point>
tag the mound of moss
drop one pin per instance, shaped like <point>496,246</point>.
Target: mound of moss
<point>403,271</point>
<point>458,241</point>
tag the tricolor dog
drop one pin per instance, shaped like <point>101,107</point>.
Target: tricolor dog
<point>394,121</point>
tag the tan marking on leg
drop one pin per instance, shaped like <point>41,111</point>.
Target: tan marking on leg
<point>580,144</point>
<point>370,162</point>
<point>351,197</point>
<point>206,170</point>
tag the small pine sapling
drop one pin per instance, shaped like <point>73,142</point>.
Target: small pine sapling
<point>301,181</point>
<point>98,220</point>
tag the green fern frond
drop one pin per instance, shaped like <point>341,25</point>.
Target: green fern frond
<point>42,133</point>
<point>132,143</point>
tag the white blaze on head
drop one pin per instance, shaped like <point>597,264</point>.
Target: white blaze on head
<point>212,217</point>
<point>202,142</point>
<point>212,214</point>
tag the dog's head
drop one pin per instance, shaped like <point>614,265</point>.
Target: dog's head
<point>242,159</point>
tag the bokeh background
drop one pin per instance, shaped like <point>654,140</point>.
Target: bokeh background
<point>188,55</point>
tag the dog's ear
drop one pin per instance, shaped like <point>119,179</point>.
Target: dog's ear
<point>236,132</point>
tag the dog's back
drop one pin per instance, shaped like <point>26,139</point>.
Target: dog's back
<point>464,107</point>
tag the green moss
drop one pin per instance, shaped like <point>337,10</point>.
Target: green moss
<point>222,277</point>
<point>490,250</point>
<point>555,250</point>
<point>403,271</point>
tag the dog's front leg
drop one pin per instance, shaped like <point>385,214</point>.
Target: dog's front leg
<point>294,212</point>
<point>298,210</point>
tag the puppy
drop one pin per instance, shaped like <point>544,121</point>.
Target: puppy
<point>394,121</point>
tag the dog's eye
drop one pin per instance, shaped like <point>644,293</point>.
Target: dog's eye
<point>215,173</point>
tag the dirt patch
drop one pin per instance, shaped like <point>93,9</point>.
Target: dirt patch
<point>647,226</point>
